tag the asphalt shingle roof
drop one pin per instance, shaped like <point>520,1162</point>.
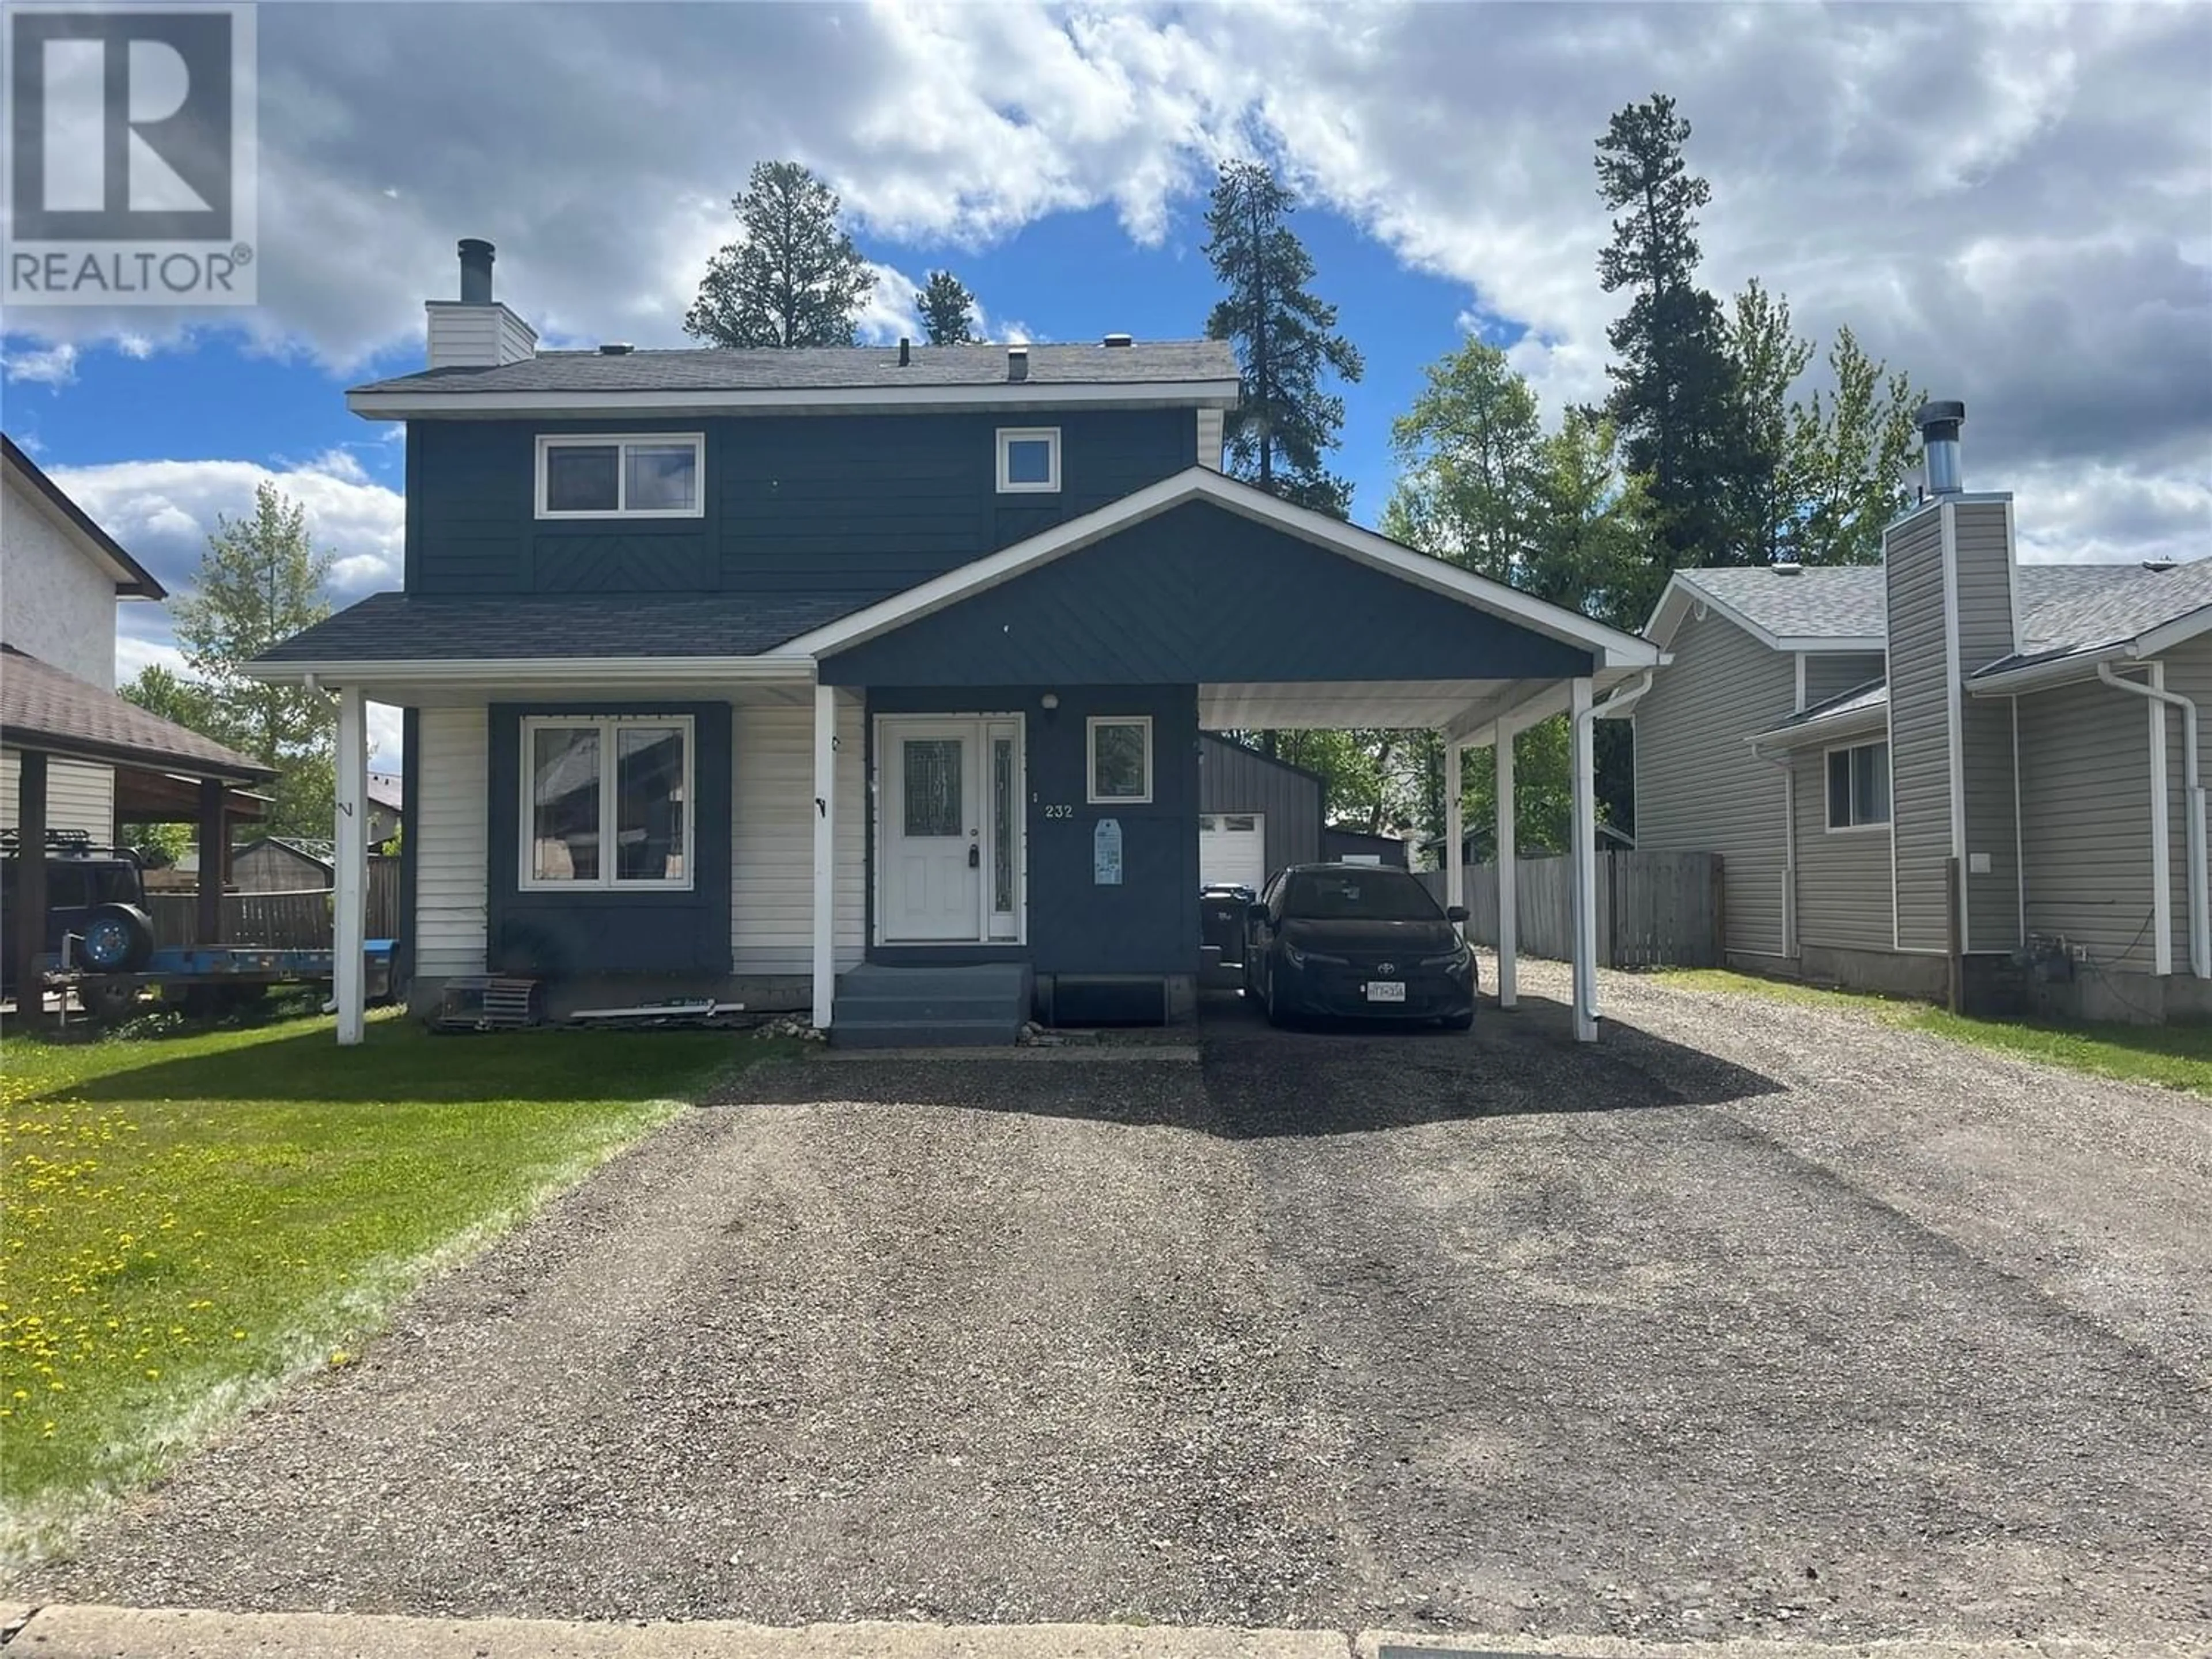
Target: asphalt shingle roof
<point>828,369</point>
<point>438,627</point>
<point>42,708</point>
<point>1848,601</point>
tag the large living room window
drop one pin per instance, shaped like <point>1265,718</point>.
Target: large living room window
<point>1858,786</point>
<point>606,802</point>
<point>647,475</point>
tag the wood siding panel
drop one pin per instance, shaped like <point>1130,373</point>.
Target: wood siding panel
<point>447,840</point>
<point>1698,788</point>
<point>1234,779</point>
<point>772,839</point>
<point>2086,810</point>
<point>1843,875</point>
<point>1920,742</point>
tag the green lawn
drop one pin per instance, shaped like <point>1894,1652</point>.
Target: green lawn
<point>2171,1056</point>
<point>191,1219</point>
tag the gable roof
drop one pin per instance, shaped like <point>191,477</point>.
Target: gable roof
<point>1845,607</point>
<point>43,708</point>
<point>132,579</point>
<point>1612,648</point>
<point>859,377</point>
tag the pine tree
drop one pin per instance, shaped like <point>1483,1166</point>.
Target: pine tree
<point>1675,395</point>
<point>793,276</point>
<point>946,307</point>
<point>1286,423</point>
<point>260,581</point>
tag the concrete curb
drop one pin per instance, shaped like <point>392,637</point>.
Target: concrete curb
<point>103,1632</point>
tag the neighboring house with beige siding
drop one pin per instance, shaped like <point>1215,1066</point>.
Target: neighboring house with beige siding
<point>1964,750</point>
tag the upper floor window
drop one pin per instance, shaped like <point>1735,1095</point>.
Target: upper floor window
<point>1858,786</point>
<point>647,474</point>
<point>1029,460</point>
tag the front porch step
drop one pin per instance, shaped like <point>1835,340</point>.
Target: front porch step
<point>885,1007</point>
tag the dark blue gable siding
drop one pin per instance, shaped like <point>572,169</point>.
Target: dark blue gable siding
<point>1147,925</point>
<point>873,503</point>
<point>1199,594</point>
<point>556,936</point>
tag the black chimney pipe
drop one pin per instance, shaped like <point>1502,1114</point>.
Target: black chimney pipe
<point>476,272</point>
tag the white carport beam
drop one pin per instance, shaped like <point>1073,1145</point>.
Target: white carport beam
<point>1583,875</point>
<point>349,873</point>
<point>1454,833</point>
<point>1509,886</point>
<point>825,854</point>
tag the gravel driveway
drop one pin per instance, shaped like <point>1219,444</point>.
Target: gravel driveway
<point>1755,1319</point>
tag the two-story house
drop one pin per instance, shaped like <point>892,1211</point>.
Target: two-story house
<point>1952,755</point>
<point>773,675</point>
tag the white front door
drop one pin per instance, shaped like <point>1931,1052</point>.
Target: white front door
<point>933,832</point>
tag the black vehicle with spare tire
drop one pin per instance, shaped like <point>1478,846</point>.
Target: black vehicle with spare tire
<point>95,895</point>
<point>1357,941</point>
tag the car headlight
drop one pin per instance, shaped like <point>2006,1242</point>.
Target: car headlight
<point>1455,958</point>
<point>1298,958</point>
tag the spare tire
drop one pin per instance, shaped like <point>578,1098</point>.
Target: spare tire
<point>116,939</point>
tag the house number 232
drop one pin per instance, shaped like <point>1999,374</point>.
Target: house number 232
<point>1061,812</point>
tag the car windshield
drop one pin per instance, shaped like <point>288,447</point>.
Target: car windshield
<point>1358,894</point>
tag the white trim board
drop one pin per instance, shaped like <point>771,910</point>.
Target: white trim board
<point>398,404</point>
<point>1614,649</point>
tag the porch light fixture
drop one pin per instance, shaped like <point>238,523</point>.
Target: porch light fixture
<point>1049,701</point>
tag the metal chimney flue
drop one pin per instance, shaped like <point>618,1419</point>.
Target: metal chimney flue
<point>1939,443</point>
<point>476,272</point>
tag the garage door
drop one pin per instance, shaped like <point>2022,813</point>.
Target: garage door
<point>1231,847</point>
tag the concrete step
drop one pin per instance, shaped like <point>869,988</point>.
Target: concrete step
<point>870,1033</point>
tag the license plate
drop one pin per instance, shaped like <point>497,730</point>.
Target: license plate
<point>1386,990</point>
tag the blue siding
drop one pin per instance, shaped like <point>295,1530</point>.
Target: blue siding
<point>1200,594</point>
<point>559,936</point>
<point>871,503</point>
<point>1147,925</point>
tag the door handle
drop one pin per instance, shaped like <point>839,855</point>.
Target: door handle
<point>975,856</point>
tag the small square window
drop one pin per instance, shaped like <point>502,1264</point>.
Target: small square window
<point>1858,786</point>
<point>1029,460</point>
<point>1120,760</point>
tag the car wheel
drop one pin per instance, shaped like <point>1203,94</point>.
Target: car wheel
<point>116,939</point>
<point>1279,1015</point>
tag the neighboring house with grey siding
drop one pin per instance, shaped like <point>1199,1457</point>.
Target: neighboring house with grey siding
<point>1256,814</point>
<point>1844,737</point>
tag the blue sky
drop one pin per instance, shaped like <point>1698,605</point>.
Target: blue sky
<point>2012,205</point>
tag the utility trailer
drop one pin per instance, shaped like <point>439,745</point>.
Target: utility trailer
<point>224,974</point>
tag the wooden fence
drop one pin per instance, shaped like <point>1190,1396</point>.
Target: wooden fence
<point>1654,910</point>
<point>294,921</point>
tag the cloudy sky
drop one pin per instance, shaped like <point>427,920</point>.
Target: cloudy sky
<point>2014,204</point>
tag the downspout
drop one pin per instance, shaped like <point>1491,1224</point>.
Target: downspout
<point>1787,761</point>
<point>2200,911</point>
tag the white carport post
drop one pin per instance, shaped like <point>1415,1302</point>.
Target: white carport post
<point>349,876</point>
<point>1583,874</point>
<point>1455,830</point>
<point>825,852</point>
<point>1509,891</point>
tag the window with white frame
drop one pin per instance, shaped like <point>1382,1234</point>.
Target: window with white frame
<point>1858,786</point>
<point>1119,754</point>
<point>606,801</point>
<point>1029,460</point>
<point>640,475</point>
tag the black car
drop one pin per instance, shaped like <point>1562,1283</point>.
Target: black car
<point>1357,941</point>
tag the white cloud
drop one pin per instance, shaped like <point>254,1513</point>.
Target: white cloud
<point>54,365</point>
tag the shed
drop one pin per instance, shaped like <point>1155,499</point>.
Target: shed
<point>1349,846</point>
<point>1256,814</point>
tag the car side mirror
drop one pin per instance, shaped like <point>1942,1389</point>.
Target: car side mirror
<point>1256,913</point>
<point>1457,913</point>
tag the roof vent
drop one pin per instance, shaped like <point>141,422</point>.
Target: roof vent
<point>1119,340</point>
<point>1786,567</point>
<point>2158,567</point>
<point>1017,363</point>
<point>616,348</point>
<point>906,351</point>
